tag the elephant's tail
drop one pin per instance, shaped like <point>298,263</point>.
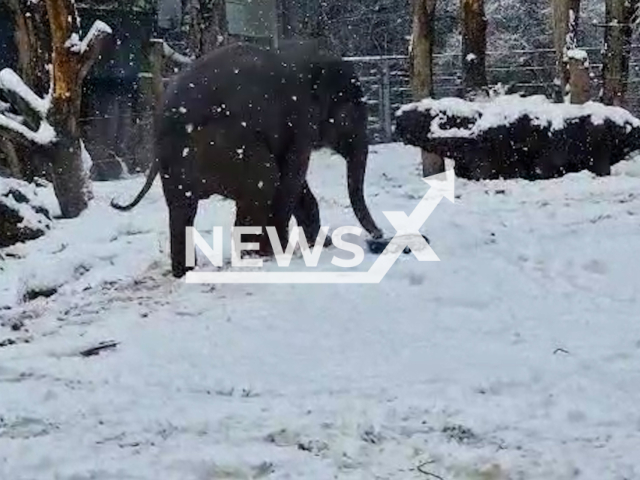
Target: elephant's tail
<point>151,176</point>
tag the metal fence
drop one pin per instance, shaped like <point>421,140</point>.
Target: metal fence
<point>385,80</point>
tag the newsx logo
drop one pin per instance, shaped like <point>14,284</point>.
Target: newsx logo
<point>311,256</point>
<point>407,236</point>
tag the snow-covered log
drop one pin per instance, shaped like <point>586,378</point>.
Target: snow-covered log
<point>23,215</point>
<point>520,137</point>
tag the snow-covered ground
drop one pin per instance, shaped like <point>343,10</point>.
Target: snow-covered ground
<point>515,357</point>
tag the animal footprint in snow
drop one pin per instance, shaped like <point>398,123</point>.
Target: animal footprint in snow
<point>596,267</point>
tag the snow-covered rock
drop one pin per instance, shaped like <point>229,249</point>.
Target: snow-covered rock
<point>512,136</point>
<point>23,215</point>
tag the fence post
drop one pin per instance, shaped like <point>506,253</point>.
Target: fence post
<point>156,62</point>
<point>386,102</point>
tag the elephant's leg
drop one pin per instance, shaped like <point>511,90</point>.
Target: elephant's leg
<point>254,212</point>
<point>257,176</point>
<point>181,216</point>
<point>290,188</point>
<point>307,215</point>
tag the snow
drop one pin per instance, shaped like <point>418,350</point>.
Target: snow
<point>87,161</point>
<point>577,54</point>
<point>87,164</point>
<point>11,81</point>
<point>45,134</point>
<point>98,29</point>
<point>514,357</point>
<point>506,109</point>
<point>26,210</point>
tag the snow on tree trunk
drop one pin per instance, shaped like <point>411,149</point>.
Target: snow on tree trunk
<point>206,22</point>
<point>50,124</point>
<point>474,45</point>
<point>565,15</point>
<point>618,31</point>
<point>421,68</point>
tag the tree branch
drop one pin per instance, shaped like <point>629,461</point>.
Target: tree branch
<point>23,98</point>
<point>91,46</point>
<point>17,132</point>
<point>170,54</point>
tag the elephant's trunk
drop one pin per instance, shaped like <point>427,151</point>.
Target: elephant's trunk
<point>356,168</point>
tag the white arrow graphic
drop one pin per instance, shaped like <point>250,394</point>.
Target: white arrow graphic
<point>407,235</point>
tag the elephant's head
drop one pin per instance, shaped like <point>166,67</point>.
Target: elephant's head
<point>342,127</point>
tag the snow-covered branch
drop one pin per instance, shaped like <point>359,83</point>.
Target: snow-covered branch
<point>91,45</point>
<point>29,124</point>
<point>13,129</point>
<point>13,86</point>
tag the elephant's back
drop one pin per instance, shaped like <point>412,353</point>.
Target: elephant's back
<point>234,81</point>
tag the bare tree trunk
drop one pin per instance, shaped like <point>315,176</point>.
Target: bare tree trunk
<point>206,22</point>
<point>618,32</point>
<point>566,16</point>
<point>421,68</point>
<point>474,45</point>
<point>70,180</point>
<point>71,63</point>
<point>421,50</point>
<point>34,54</point>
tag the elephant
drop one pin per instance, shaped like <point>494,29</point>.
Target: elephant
<point>241,122</point>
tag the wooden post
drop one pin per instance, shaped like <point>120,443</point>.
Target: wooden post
<point>421,69</point>
<point>566,16</point>
<point>618,31</point>
<point>386,96</point>
<point>474,46</point>
<point>156,63</point>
